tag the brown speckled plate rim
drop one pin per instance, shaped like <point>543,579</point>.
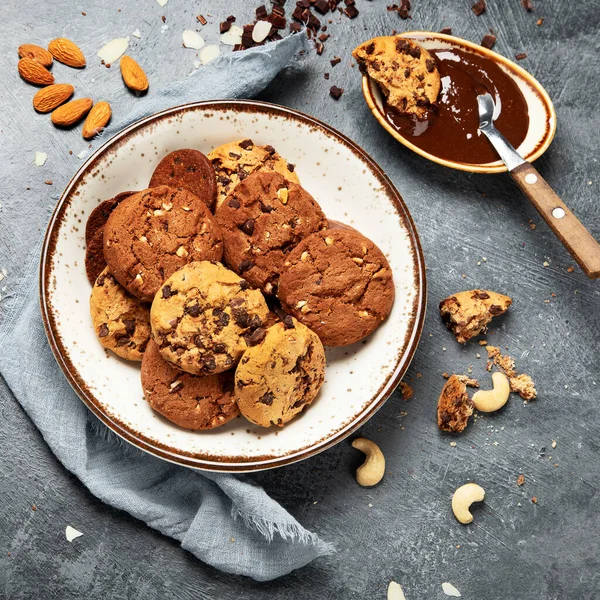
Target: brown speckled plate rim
<point>237,463</point>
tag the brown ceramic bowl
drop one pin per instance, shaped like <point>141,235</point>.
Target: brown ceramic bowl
<point>542,125</point>
<point>349,186</point>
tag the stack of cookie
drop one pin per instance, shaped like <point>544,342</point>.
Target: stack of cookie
<point>225,279</point>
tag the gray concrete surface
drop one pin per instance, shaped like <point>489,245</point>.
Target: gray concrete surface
<point>403,529</point>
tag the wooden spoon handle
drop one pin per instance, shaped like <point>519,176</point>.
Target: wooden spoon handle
<point>565,225</point>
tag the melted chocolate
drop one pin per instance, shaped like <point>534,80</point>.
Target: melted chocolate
<point>452,131</point>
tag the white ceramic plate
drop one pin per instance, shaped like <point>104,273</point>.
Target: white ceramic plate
<point>349,186</point>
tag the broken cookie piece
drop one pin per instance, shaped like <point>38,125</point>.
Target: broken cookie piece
<point>523,385</point>
<point>468,314</point>
<point>454,406</point>
<point>406,73</point>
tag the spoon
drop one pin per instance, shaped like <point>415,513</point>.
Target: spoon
<point>565,225</point>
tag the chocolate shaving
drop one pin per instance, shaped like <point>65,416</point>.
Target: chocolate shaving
<point>479,7</point>
<point>520,56</point>
<point>201,20</point>
<point>488,41</point>
<point>336,60</point>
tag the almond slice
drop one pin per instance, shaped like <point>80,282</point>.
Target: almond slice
<point>113,50</point>
<point>208,54</point>
<point>36,53</point>
<point>31,70</point>
<point>97,119</point>
<point>48,98</point>
<point>72,112</point>
<point>192,39</point>
<point>133,75</point>
<point>67,52</point>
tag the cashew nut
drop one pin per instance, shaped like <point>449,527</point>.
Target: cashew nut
<point>462,499</point>
<point>491,400</point>
<point>372,470</point>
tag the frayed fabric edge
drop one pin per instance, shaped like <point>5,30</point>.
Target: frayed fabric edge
<point>293,532</point>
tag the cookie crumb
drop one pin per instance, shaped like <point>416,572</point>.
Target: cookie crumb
<point>520,480</point>
<point>336,92</point>
<point>406,391</point>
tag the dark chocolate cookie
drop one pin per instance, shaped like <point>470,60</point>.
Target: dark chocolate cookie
<point>281,376</point>
<point>205,316</point>
<point>190,170</point>
<point>187,400</point>
<point>94,235</point>
<point>151,234</point>
<point>338,283</point>
<point>263,220</point>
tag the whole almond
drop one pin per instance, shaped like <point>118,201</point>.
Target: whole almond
<point>31,70</point>
<point>36,53</point>
<point>70,113</point>
<point>97,119</point>
<point>67,52</point>
<point>48,98</point>
<point>133,75</point>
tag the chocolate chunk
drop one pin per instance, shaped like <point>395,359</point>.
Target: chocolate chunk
<point>198,341</point>
<point>407,72</point>
<point>223,319</point>
<point>404,8</point>
<point>230,19</point>
<point>298,14</point>
<point>265,207</point>
<point>257,336</point>
<point>241,173</point>
<point>527,5</point>
<point>488,41</point>
<point>430,65</point>
<point>415,51</point>
<point>313,23</point>
<point>209,363</point>
<point>295,27</point>
<point>323,37</point>
<point>245,265</point>
<point>241,317</point>
<point>219,348</point>
<point>166,292</point>
<point>123,341</point>
<point>326,75</point>
<point>446,30</point>
<point>351,12</point>
<point>247,227</point>
<point>322,6</point>
<point>479,7</point>
<point>521,56</point>
<point>193,310</point>
<point>335,92</point>
<point>261,12</point>
<point>402,45</point>
<point>277,21</point>
<point>129,326</point>
<point>336,60</point>
<point>496,310</point>
<point>235,156</point>
<point>254,322</point>
<point>319,48</point>
<point>266,398</point>
<point>103,330</point>
<point>201,20</point>
<point>224,27</point>
<point>288,322</point>
<point>246,144</point>
<point>173,323</point>
<point>234,203</point>
<point>482,295</point>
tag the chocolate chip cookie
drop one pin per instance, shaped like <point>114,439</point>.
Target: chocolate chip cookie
<point>187,400</point>
<point>234,161</point>
<point>454,406</point>
<point>94,236</point>
<point>190,170</point>
<point>406,73</point>
<point>151,234</point>
<point>121,321</point>
<point>263,220</point>
<point>205,316</point>
<point>338,283</point>
<point>281,376</point>
<point>468,314</point>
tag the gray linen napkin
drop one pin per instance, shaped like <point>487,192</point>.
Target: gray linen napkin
<point>205,511</point>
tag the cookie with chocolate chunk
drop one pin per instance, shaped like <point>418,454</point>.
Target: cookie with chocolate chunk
<point>338,283</point>
<point>233,162</point>
<point>187,400</point>
<point>121,321</point>
<point>454,406</point>
<point>205,316</point>
<point>94,235</point>
<point>281,376</point>
<point>406,73</point>
<point>263,220</point>
<point>468,313</point>
<point>188,169</point>
<point>153,233</point>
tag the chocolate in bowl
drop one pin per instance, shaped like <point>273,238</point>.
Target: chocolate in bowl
<point>451,130</point>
